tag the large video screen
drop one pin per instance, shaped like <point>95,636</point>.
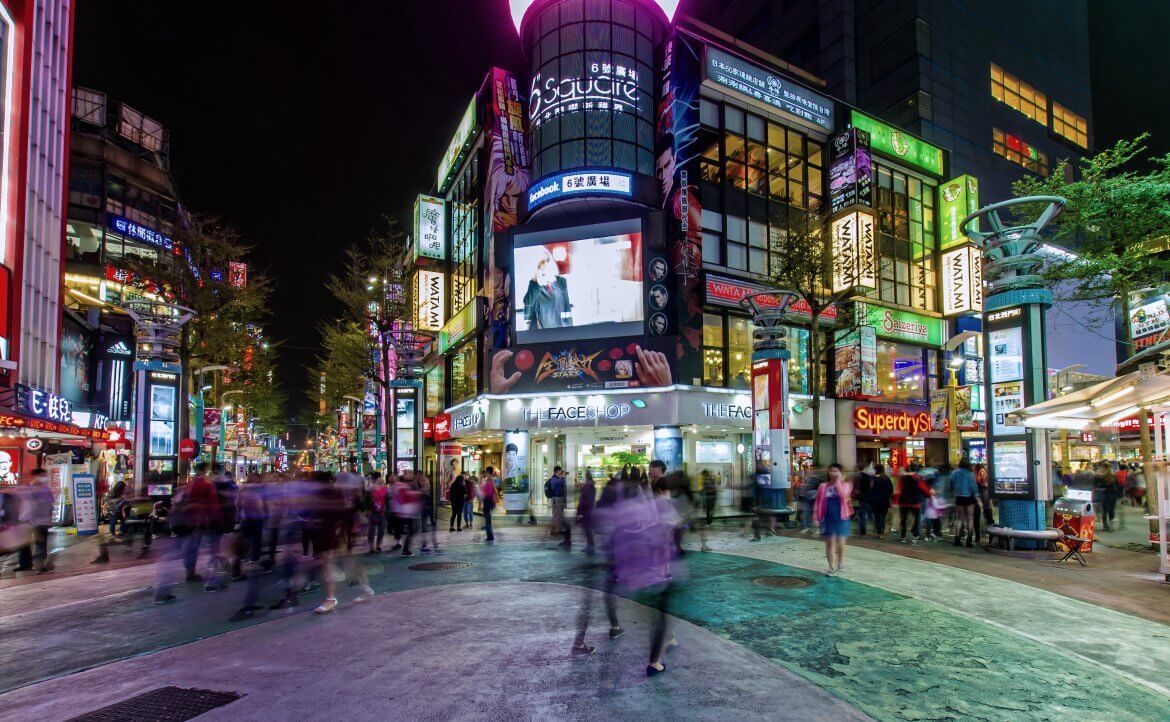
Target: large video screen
<point>572,279</point>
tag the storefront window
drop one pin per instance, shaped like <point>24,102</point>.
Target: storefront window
<point>464,372</point>
<point>739,352</point>
<point>901,373</point>
<point>798,367</point>
<point>84,242</point>
<point>713,355</point>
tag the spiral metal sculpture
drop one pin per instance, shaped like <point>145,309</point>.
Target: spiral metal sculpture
<point>769,311</point>
<point>1011,254</point>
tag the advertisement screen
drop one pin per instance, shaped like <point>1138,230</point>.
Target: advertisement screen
<point>162,420</point>
<point>566,285</point>
<point>1009,460</point>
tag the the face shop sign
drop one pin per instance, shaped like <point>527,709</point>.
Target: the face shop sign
<point>726,411</point>
<point>569,414</point>
<point>467,422</point>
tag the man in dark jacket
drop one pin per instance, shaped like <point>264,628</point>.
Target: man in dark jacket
<point>457,495</point>
<point>586,500</point>
<point>881,490</point>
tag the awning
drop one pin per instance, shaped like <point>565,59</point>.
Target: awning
<point>1093,407</point>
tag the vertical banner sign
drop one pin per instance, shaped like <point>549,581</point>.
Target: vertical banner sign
<point>676,161</point>
<point>962,281</point>
<point>939,409</point>
<point>450,464</point>
<point>517,489</point>
<point>854,251</point>
<point>957,199</point>
<point>61,482</point>
<point>855,363</point>
<point>430,228</point>
<point>85,516</point>
<point>668,447</point>
<point>237,274</point>
<point>429,300</point>
<point>770,423</point>
<point>850,171</point>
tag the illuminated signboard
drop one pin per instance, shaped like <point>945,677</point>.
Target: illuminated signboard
<point>757,83</point>
<point>722,291</point>
<point>900,144</point>
<point>962,284</point>
<point>12,421</point>
<point>883,421</point>
<point>902,325</point>
<point>580,183</point>
<point>854,252</point>
<point>584,412</point>
<point>428,293</point>
<point>430,227</point>
<point>520,7</point>
<point>43,404</point>
<point>463,135</point>
<point>461,324</point>
<point>139,232</point>
<point>850,171</point>
<point>957,199</point>
<point>605,86</point>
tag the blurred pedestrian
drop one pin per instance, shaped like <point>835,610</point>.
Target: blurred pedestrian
<point>427,522</point>
<point>556,491</point>
<point>469,505</point>
<point>862,492</point>
<point>376,512</point>
<point>252,512</point>
<point>832,512</point>
<point>709,491</point>
<point>457,495</point>
<point>586,501</point>
<point>881,491</point>
<point>487,500</point>
<point>202,515</point>
<point>117,507</point>
<point>912,491</point>
<point>36,508</point>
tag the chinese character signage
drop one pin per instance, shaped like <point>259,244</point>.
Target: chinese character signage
<point>43,404</point>
<point>854,252</point>
<point>430,228</point>
<point>428,294</point>
<point>850,170</point>
<point>580,183</point>
<point>454,153</point>
<point>962,281</point>
<point>900,144</point>
<point>137,232</point>
<point>753,81</point>
<point>957,199</point>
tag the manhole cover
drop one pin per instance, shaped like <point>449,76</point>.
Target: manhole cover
<point>782,582</point>
<point>439,566</point>
<point>166,704</point>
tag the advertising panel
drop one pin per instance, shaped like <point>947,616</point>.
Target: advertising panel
<point>1148,323</point>
<point>450,465</point>
<point>579,365</point>
<point>957,199</point>
<point>722,291</point>
<point>459,325</point>
<point>162,420</point>
<point>1010,461</point>
<point>571,280</point>
<point>855,361</point>
<point>237,274</point>
<point>668,447</point>
<point>211,426</point>
<point>854,251</point>
<point>76,361</point>
<point>962,282</point>
<point>430,301</point>
<point>580,183</point>
<point>900,144</point>
<point>902,325</point>
<point>514,475</point>
<point>404,420</point>
<point>757,83</point>
<point>964,412</point>
<point>850,170</point>
<point>430,227</point>
<point>1006,398</point>
<point>85,503</point>
<point>464,133</point>
<point>940,409</point>
<point>1007,354</point>
<point>508,165</point>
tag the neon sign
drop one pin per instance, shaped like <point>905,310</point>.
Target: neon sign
<point>43,404</point>
<point>605,87</point>
<point>878,420</point>
<point>577,413</point>
<point>580,183</point>
<point>138,232</point>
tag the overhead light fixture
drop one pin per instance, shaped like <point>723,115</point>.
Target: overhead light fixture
<point>1113,396</point>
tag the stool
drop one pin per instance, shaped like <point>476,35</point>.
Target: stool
<point>1074,549</point>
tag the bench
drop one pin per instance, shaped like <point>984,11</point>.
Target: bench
<point>782,513</point>
<point>1006,536</point>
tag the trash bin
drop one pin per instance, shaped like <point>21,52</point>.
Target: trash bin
<point>1073,515</point>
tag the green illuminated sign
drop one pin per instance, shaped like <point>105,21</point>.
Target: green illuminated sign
<point>957,199</point>
<point>463,136</point>
<point>900,144</point>
<point>902,325</point>
<point>461,324</point>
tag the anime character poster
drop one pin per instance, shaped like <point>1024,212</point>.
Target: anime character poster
<point>508,178</point>
<point>676,167</point>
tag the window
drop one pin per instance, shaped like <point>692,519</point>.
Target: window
<point>465,217</point>
<point>739,352</point>
<point>713,352</point>
<point>1017,151</point>
<point>464,373</point>
<point>906,243</point>
<point>901,373</point>
<point>1068,124</point>
<point>1016,94</point>
<point>89,105</point>
<point>727,345</point>
<point>752,171</point>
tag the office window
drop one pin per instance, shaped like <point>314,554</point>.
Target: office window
<point>1016,94</point>
<point>906,240</point>
<point>1068,124</point>
<point>1017,151</point>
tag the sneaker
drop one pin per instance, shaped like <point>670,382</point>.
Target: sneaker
<point>366,595</point>
<point>705,548</point>
<point>327,606</point>
<point>407,554</point>
<point>903,540</point>
<point>615,632</point>
<point>581,649</point>
<point>425,550</point>
<point>913,542</point>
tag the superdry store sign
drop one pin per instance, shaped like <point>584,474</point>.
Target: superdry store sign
<point>892,421</point>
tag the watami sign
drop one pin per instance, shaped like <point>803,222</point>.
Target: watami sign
<point>728,292</point>
<point>878,420</point>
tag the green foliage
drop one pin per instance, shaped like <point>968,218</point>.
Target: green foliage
<point>1116,221</point>
<point>621,458</point>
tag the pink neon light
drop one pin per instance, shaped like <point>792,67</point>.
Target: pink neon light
<point>520,7</point>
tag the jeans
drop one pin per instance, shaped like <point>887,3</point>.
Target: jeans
<point>407,532</point>
<point>1108,509</point>
<point>907,511</point>
<point>456,515</point>
<point>709,510</point>
<point>558,513</point>
<point>468,512</point>
<point>806,511</point>
<point>880,512</point>
<point>864,510</point>
<point>377,529</point>
<point>191,551</point>
<point>487,522</point>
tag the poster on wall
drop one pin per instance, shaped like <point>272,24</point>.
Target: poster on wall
<point>668,447</point>
<point>676,165</point>
<point>855,363</point>
<point>76,355</point>
<point>517,489</point>
<point>450,465</point>
<point>10,458</point>
<point>1009,460</point>
<point>850,170</point>
<point>615,363</point>
<point>939,409</point>
<point>1006,398</point>
<point>1007,354</point>
<point>211,426</point>
<point>85,511</point>
<point>964,412</point>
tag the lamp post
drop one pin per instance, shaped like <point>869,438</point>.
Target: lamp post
<point>1016,356</point>
<point>1064,388</point>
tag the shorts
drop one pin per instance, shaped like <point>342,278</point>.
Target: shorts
<point>964,501</point>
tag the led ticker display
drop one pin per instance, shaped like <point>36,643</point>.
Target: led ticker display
<point>900,144</point>
<point>12,421</point>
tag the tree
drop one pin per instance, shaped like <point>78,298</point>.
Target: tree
<point>1116,222</point>
<point>801,261</point>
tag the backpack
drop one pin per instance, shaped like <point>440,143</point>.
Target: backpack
<point>548,488</point>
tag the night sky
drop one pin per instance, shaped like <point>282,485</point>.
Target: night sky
<point>302,123</point>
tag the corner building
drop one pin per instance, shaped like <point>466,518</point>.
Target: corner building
<point>663,163</point>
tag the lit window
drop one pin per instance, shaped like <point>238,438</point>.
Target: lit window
<point>1013,92</point>
<point>1070,125</point>
<point>1017,151</point>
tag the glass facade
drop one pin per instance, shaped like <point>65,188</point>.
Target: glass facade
<point>464,201</point>
<point>1016,94</point>
<point>727,353</point>
<point>754,173</point>
<point>463,372</point>
<point>1008,146</point>
<point>906,239</point>
<point>1068,124</point>
<point>901,370</point>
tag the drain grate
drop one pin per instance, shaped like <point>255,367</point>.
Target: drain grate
<point>166,704</point>
<point>439,566</point>
<point>782,582</point>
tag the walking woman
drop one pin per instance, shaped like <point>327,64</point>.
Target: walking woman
<point>966,501</point>
<point>832,512</point>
